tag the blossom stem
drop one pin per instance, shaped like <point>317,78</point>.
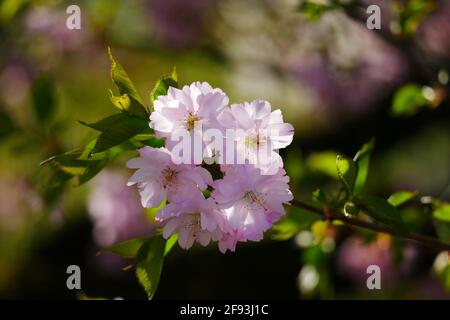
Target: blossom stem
<point>331,215</point>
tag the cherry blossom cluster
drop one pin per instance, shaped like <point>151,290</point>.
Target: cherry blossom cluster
<point>245,197</point>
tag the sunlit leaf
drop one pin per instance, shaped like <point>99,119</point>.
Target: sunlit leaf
<point>401,197</point>
<point>122,102</point>
<point>296,220</point>
<point>128,248</point>
<point>412,14</point>
<point>319,229</point>
<point>170,243</point>
<point>323,162</point>
<point>347,172</point>
<point>408,100</point>
<point>442,212</point>
<point>120,78</point>
<point>313,10</point>
<point>362,160</point>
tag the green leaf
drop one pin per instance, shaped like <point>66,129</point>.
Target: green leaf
<point>149,140</point>
<point>83,164</point>
<point>412,14</point>
<point>162,86</point>
<point>323,162</point>
<point>347,172</point>
<point>69,158</point>
<point>362,160</point>
<point>122,102</point>
<point>319,196</point>
<point>105,123</point>
<point>43,94</point>
<point>128,248</point>
<point>149,264</point>
<point>151,213</point>
<point>174,74</point>
<point>122,130</point>
<point>170,243</point>
<point>408,100</point>
<point>313,10</point>
<point>400,197</point>
<point>380,210</point>
<point>120,78</point>
<point>92,170</point>
<point>442,212</point>
<point>293,222</point>
<point>319,229</point>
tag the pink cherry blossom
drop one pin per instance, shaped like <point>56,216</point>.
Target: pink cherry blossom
<point>250,200</point>
<point>195,220</point>
<point>182,111</point>
<point>158,178</point>
<point>262,132</point>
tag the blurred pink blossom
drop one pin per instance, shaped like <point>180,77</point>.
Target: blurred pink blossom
<point>115,210</point>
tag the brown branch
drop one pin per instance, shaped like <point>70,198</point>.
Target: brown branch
<point>430,242</point>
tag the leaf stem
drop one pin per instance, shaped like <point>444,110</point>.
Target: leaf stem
<point>427,241</point>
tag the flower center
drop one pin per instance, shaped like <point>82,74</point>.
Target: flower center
<point>194,224</point>
<point>254,200</point>
<point>168,177</point>
<point>191,119</point>
<point>254,140</point>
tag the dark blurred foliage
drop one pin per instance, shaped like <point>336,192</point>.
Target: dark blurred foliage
<point>334,79</point>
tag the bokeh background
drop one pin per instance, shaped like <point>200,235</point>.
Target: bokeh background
<point>334,80</point>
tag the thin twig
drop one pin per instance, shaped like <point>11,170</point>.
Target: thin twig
<point>430,242</point>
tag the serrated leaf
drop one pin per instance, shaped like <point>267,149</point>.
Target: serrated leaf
<point>126,87</point>
<point>149,263</point>
<point>347,172</point>
<point>400,197</point>
<point>362,160</point>
<point>43,94</point>
<point>380,210</point>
